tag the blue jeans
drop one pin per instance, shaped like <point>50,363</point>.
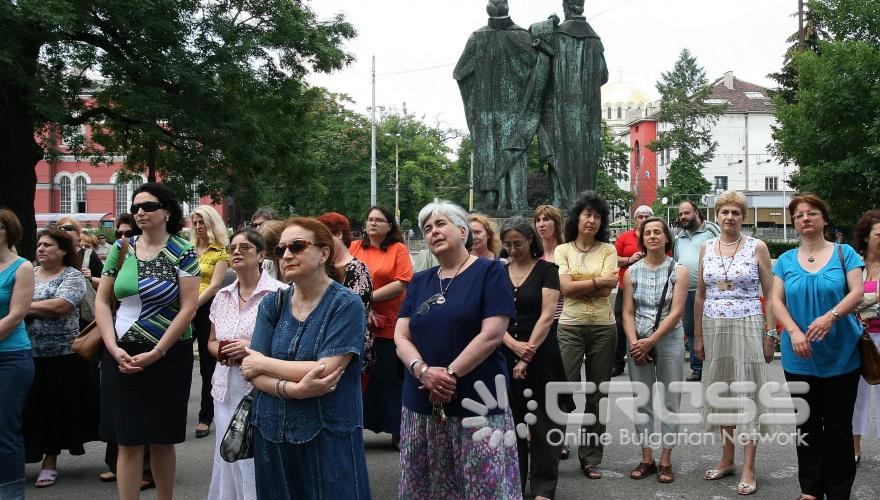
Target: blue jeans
<point>687,320</point>
<point>16,375</point>
<point>330,466</point>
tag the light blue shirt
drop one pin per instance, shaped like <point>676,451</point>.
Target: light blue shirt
<point>687,249</point>
<point>810,295</point>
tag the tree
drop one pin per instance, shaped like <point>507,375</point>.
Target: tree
<point>184,89</point>
<point>831,130</point>
<point>813,33</point>
<point>688,118</point>
<point>613,168</point>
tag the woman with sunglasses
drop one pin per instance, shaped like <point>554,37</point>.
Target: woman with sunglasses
<point>816,287</point>
<point>16,356</point>
<point>208,234</point>
<point>448,337</point>
<point>305,358</point>
<point>233,317</point>
<point>87,261</point>
<point>387,257</point>
<point>146,366</point>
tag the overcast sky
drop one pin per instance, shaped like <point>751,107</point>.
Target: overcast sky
<point>642,38</point>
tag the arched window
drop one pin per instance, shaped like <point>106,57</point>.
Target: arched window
<point>609,112</point>
<point>65,196</point>
<point>619,112</point>
<point>81,187</point>
<point>124,191</point>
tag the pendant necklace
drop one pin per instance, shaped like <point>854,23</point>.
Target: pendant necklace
<point>442,298</point>
<point>812,258</point>
<point>726,284</point>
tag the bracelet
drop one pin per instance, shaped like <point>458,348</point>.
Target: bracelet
<point>161,352</point>
<point>773,334</point>
<point>284,390</point>
<point>281,389</point>
<point>835,313</point>
<point>422,372</point>
<point>413,363</point>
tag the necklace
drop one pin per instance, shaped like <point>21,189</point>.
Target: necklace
<point>240,296</point>
<point>442,298</point>
<point>812,258</point>
<point>517,281</point>
<point>579,248</point>
<point>726,284</point>
<point>732,243</point>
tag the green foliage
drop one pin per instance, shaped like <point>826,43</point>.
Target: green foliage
<point>687,132</point>
<point>778,248</point>
<point>813,33</point>
<point>613,168</point>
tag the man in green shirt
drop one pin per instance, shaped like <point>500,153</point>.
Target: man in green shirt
<point>694,232</point>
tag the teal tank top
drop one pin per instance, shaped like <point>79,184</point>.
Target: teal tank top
<point>17,340</point>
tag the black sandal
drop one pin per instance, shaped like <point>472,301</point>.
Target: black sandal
<point>592,472</point>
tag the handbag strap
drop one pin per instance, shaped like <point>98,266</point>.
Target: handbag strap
<point>120,260</point>
<point>663,297</point>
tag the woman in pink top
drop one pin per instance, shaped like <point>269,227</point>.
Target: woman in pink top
<point>867,243</point>
<point>386,256</point>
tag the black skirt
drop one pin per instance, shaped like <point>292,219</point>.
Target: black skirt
<point>382,397</point>
<point>147,407</point>
<point>61,412</point>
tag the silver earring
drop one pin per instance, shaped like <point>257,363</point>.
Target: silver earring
<point>167,218</point>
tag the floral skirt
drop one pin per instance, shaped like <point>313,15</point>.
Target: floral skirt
<point>442,460</point>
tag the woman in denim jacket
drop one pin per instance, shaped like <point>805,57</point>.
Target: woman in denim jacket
<point>305,359</point>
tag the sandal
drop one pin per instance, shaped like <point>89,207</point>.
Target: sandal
<point>713,474</point>
<point>147,485</point>
<point>563,455</point>
<point>744,488</point>
<point>46,478</point>
<point>643,470</point>
<point>107,477</point>
<point>664,474</point>
<point>592,472</point>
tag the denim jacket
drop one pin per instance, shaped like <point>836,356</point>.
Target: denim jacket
<point>334,328</point>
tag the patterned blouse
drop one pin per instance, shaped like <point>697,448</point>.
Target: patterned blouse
<point>54,336</point>
<point>208,261</point>
<point>149,291</point>
<point>357,278</point>
<point>732,283</point>
<point>647,287</point>
<point>233,323</point>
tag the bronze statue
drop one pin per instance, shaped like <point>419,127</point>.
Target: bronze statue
<point>492,74</point>
<point>563,103</point>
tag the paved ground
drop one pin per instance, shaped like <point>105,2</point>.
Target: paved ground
<point>777,470</point>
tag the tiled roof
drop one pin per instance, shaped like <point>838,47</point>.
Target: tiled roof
<point>743,97</point>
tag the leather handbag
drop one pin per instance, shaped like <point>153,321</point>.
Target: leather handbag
<point>238,441</point>
<point>89,341</point>
<point>867,349</point>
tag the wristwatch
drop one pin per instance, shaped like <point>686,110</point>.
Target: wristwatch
<point>451,372</point>
<point>773,334</point>
<point>835,313</point>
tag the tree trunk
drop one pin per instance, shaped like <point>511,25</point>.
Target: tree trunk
<point>19,154</point>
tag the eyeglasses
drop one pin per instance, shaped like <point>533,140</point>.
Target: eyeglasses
<point>376,220</point>
<point>811,214</point>
<point>67,227</point>
<point>124,234</point>
<point>147,206</point>
<point>437,298</point>
<point>514,244</point>
<point>241,247</point>
<point>642,216</point>
<point>295,247</point>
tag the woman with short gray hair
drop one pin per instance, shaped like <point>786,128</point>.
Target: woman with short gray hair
<point>447,335</point>
<point>532,352</point>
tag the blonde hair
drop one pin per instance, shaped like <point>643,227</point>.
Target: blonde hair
<point>69,221</point>
<point>492,241</point>
<point>734,198</point>
<point>213,222</point>
<point>91,239</point>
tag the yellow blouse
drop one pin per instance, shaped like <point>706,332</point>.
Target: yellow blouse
<point>207,261</point>
<point>585,266</point>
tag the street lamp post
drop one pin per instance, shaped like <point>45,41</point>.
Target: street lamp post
<point>397,177</point>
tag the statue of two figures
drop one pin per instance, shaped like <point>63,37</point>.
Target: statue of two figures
<point>517,84</point>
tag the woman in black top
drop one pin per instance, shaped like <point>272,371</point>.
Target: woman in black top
<point>533,354</point>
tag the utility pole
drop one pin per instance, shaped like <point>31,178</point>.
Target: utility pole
<point>800,25</point>
<point>373,140</point>
<point>397,178</point>
<point>471,185</point>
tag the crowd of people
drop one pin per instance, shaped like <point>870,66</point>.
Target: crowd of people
<point>331,335</point>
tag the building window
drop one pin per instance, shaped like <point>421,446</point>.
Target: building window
<point>124,191</point>
<point>720,183</point>
<point>771,183</point>
<point>663,183</point>
<point>80,206</point>
<point>619,113</point>
<point>65,196</point>
<point>609,112</point>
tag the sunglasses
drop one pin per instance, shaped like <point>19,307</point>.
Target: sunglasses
<point>242,247</point>
<point>67,227</point>
<point>124,234</point>
<point>295,247</point>
<point>147,206</point>
<point>437,298</point>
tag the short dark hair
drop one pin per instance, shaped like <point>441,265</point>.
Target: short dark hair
<point>393,236</point>
<point>525,228</point>
<point>663,226</point>
<point>265,212</point>
<point>13,227</point>
<point>169,202</point>
<point>65,244</point>
<point>588,200</point>
<point>812,200</point>
<point>863,231</point>
<point>693,205</point>
<point>255,238</point>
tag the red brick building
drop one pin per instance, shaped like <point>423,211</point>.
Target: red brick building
<point>643,161</point>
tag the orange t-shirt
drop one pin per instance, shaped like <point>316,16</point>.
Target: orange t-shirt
<point>386,266</point>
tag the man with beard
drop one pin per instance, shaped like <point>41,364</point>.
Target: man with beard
<point>693,233</point>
